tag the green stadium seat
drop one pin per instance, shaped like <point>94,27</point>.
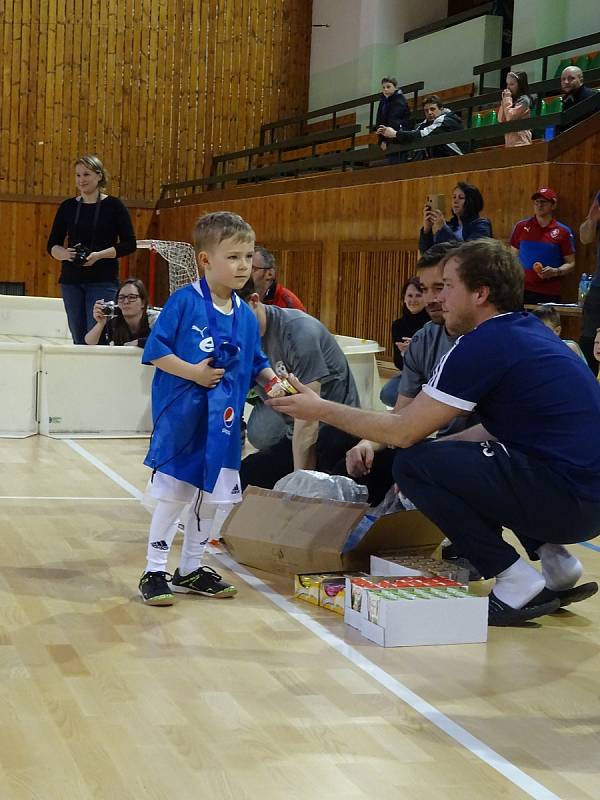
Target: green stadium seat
<point>476,121</point>
<point>582,61</point>
<point>551,105</point>
<point>594,60</point>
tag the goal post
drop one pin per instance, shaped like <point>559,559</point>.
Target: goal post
<point>180,257</point>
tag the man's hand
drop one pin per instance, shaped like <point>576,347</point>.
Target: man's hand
<point>304,405</point>
<point>547,273</point>
<point>385,130</point>
<point>359,459</point>
<point>404,344</point>
<point>205,375</point>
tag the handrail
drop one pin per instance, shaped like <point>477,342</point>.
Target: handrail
<point>448,22</point>
<point>371,99</point>
<point>533,55</point>
<point>366,155</point>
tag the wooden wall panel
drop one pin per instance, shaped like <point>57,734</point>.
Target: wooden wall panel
<point>155,87</point>
<point>370,280</point>
<point>300,267</point>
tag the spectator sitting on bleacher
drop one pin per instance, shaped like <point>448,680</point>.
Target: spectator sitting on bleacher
<point>271,293</point>
<point>437,120</point>
<point>392,110</point>
<point>545,247</point>
<point>414,316</point>
<point>515,104</point>
<point>132,322</point>
<point>465,223</point>
<point>573,91</point>
<point>551,319</point>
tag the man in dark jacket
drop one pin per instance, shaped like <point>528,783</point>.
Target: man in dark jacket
<point>571,83</point>
<point>437,120</point>
<point>393,111</point>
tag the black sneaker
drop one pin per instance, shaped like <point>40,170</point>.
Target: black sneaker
<point>154,589</point>
<point>500,614</point>
<point>567,596</point>
<point>203,580</point>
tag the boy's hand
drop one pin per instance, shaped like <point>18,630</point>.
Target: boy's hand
<point>205,375</point>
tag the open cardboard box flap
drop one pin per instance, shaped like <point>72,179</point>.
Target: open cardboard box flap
<point>279,532</point>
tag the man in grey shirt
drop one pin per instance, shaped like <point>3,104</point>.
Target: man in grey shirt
<point>296,343</point>
<point>370,462</point>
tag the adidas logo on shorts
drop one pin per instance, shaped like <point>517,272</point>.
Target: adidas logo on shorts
<point>162,545</point>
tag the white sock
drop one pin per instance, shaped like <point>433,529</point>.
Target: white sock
<point>195,538</point>
<point>163,528</point>
<point>221,515</point>
<point>518,584</point>
<point>559,567</point>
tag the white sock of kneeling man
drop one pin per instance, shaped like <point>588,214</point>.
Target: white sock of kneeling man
<point>163,528</point>
<point>518,584</point>
<point>198,523</point>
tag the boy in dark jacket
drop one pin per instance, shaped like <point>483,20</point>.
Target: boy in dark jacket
<point>392,111</point>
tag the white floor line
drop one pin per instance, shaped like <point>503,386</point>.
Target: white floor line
<point>456,732</point>
<point>38,497</point>
<point>110,473</point>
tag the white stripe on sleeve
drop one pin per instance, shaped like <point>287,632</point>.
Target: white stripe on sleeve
<point>448,399</point>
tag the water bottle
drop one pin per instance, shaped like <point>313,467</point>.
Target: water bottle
<point>584,285</point>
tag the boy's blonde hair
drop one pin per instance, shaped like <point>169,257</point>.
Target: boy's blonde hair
<point>213,228</point>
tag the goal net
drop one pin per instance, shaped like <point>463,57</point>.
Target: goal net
<point>180,257</point>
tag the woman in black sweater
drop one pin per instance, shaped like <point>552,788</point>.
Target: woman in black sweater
<point>98,231</point>
<point>414,316</point>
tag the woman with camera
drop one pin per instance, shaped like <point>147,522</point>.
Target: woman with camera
<point>98,231</point>
<point>128,322</point>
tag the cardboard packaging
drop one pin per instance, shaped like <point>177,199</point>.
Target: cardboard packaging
<point>325,590</point>
<point>286,534</point>
<point>399,564</point>
<point>458,618</point>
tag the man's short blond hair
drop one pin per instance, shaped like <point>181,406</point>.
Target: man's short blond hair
<point>213,228</point>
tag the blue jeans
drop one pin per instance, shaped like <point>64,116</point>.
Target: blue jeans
<point>79,299</point>
<point>389,393</point>
<point>470,490</point>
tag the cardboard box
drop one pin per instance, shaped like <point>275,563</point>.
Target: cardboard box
<point>287,534</point>
<point>456,620</point>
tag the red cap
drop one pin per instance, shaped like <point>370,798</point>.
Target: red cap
<point>546,193</point>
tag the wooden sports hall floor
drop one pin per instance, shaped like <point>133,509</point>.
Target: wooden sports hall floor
<point>259,696</point>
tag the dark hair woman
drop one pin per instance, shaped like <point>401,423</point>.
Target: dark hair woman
<point>131,323</point>
<point>515,104</point>
<point>98,231</point>
<point>414,316</point>
<point>465,223</point>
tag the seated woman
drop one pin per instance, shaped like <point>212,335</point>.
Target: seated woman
<point>551,319</point>
<point>412,320</point>
<point>132,321</point>
<point>465,223</point>
<point>515,104</point>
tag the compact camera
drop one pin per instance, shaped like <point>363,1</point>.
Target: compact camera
<point>82,254</point>
<point>111,310</point>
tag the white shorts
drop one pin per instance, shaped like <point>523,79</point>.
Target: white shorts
<point>165,487</point>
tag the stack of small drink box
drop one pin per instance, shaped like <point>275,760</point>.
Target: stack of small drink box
<point>417,601</point>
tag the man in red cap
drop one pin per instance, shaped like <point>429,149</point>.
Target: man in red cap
<point>546,249</point>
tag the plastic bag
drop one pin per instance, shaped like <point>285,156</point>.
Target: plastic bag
<point>309,483</point>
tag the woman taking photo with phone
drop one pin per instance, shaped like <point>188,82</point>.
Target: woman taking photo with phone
<point>464,225</point>
<point>98,231</point>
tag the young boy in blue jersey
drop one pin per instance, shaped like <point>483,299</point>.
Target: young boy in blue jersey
<point>206,348</point>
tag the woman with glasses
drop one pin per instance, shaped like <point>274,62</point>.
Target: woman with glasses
<point>127,323</point>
